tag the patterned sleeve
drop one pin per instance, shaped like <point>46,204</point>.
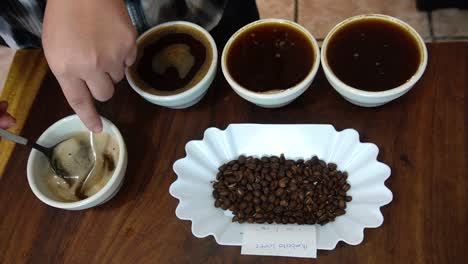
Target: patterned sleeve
<point>206,13</point>
<point>21,20</point>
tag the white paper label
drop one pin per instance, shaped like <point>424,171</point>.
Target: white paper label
<point>280,240</point>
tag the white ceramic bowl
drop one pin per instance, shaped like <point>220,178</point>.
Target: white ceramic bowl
<point>367,98</point>
<point>198,169</point>
<point>194,94</point>
<point>62,130</point>
<point>276,98</point>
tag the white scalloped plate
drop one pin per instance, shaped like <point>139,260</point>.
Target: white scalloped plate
<point>366,176</point>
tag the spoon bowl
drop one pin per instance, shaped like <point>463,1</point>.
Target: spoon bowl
<point>82,160</point>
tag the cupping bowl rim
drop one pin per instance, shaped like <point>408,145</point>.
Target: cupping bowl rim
<point>376,94</point>
<point>280,94</point>
<point>198,86</point>
<point>217,239</point>
<point>121,165</point>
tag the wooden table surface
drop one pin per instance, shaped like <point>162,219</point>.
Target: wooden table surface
<point>422,136</point>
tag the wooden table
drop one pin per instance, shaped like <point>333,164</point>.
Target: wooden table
<point>422,136</point>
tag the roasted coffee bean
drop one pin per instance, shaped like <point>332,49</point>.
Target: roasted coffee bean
<point>251,166</point>
<point>250,177</point>
<point>340,212</point>
<point>346,187</point>
<point>345,175</point>
<point>227,172</point>
<point>342,204</point>
<point>271,198</point>
<point>293,204</point>
<point>278,190</point>
<point>257,186</point>
<point>292,187</point>
<point>283,182</point>
<point>242,205</point>
<point>278,210</point>
<point>322,163</point>
<point>257,193</point>
<point>256,200</point>
<point>273,185</point>
<point>241,159</point>
<point>239,192</point>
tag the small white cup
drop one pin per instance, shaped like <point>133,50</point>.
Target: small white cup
<point>272,99</point>
<point>58,132</point>
<point>368,98</point>
<point>186,98</point>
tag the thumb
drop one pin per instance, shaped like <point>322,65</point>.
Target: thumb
<point>7,121</point>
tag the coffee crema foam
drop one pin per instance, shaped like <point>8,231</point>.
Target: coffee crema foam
<point>171,60</point>
<point>74,187</point>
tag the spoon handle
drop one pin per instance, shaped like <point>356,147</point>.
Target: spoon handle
<point>23,141</point>
<point>15,138</point>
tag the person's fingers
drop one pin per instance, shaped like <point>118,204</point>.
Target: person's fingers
<point>6,121</point>
<point>3,107</point>
<point>80,100</point>
<point>101,86</point>
<point>117,74</point>
<point>131,56</point>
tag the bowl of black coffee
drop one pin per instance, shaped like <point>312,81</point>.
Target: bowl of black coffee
<point>270,62</point>
<point>175,65</point>
<point>373,59</point>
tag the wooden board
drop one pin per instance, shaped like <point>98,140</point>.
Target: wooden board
<point>24,79</point>
<point>422,136</point>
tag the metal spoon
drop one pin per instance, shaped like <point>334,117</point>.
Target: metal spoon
<point>54,161</point>
<point>78,188</point>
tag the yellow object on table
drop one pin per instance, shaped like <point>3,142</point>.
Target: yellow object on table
<point>24,79</point>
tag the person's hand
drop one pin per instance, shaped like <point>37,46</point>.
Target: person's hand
<point>88,44</point>
<point>6,120</point>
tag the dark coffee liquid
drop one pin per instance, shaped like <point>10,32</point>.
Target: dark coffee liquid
<point>373,55</point>
<point>169,77</point>
<point>270,57</point>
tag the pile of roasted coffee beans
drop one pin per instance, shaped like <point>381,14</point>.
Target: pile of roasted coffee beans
<point>278,190</point>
